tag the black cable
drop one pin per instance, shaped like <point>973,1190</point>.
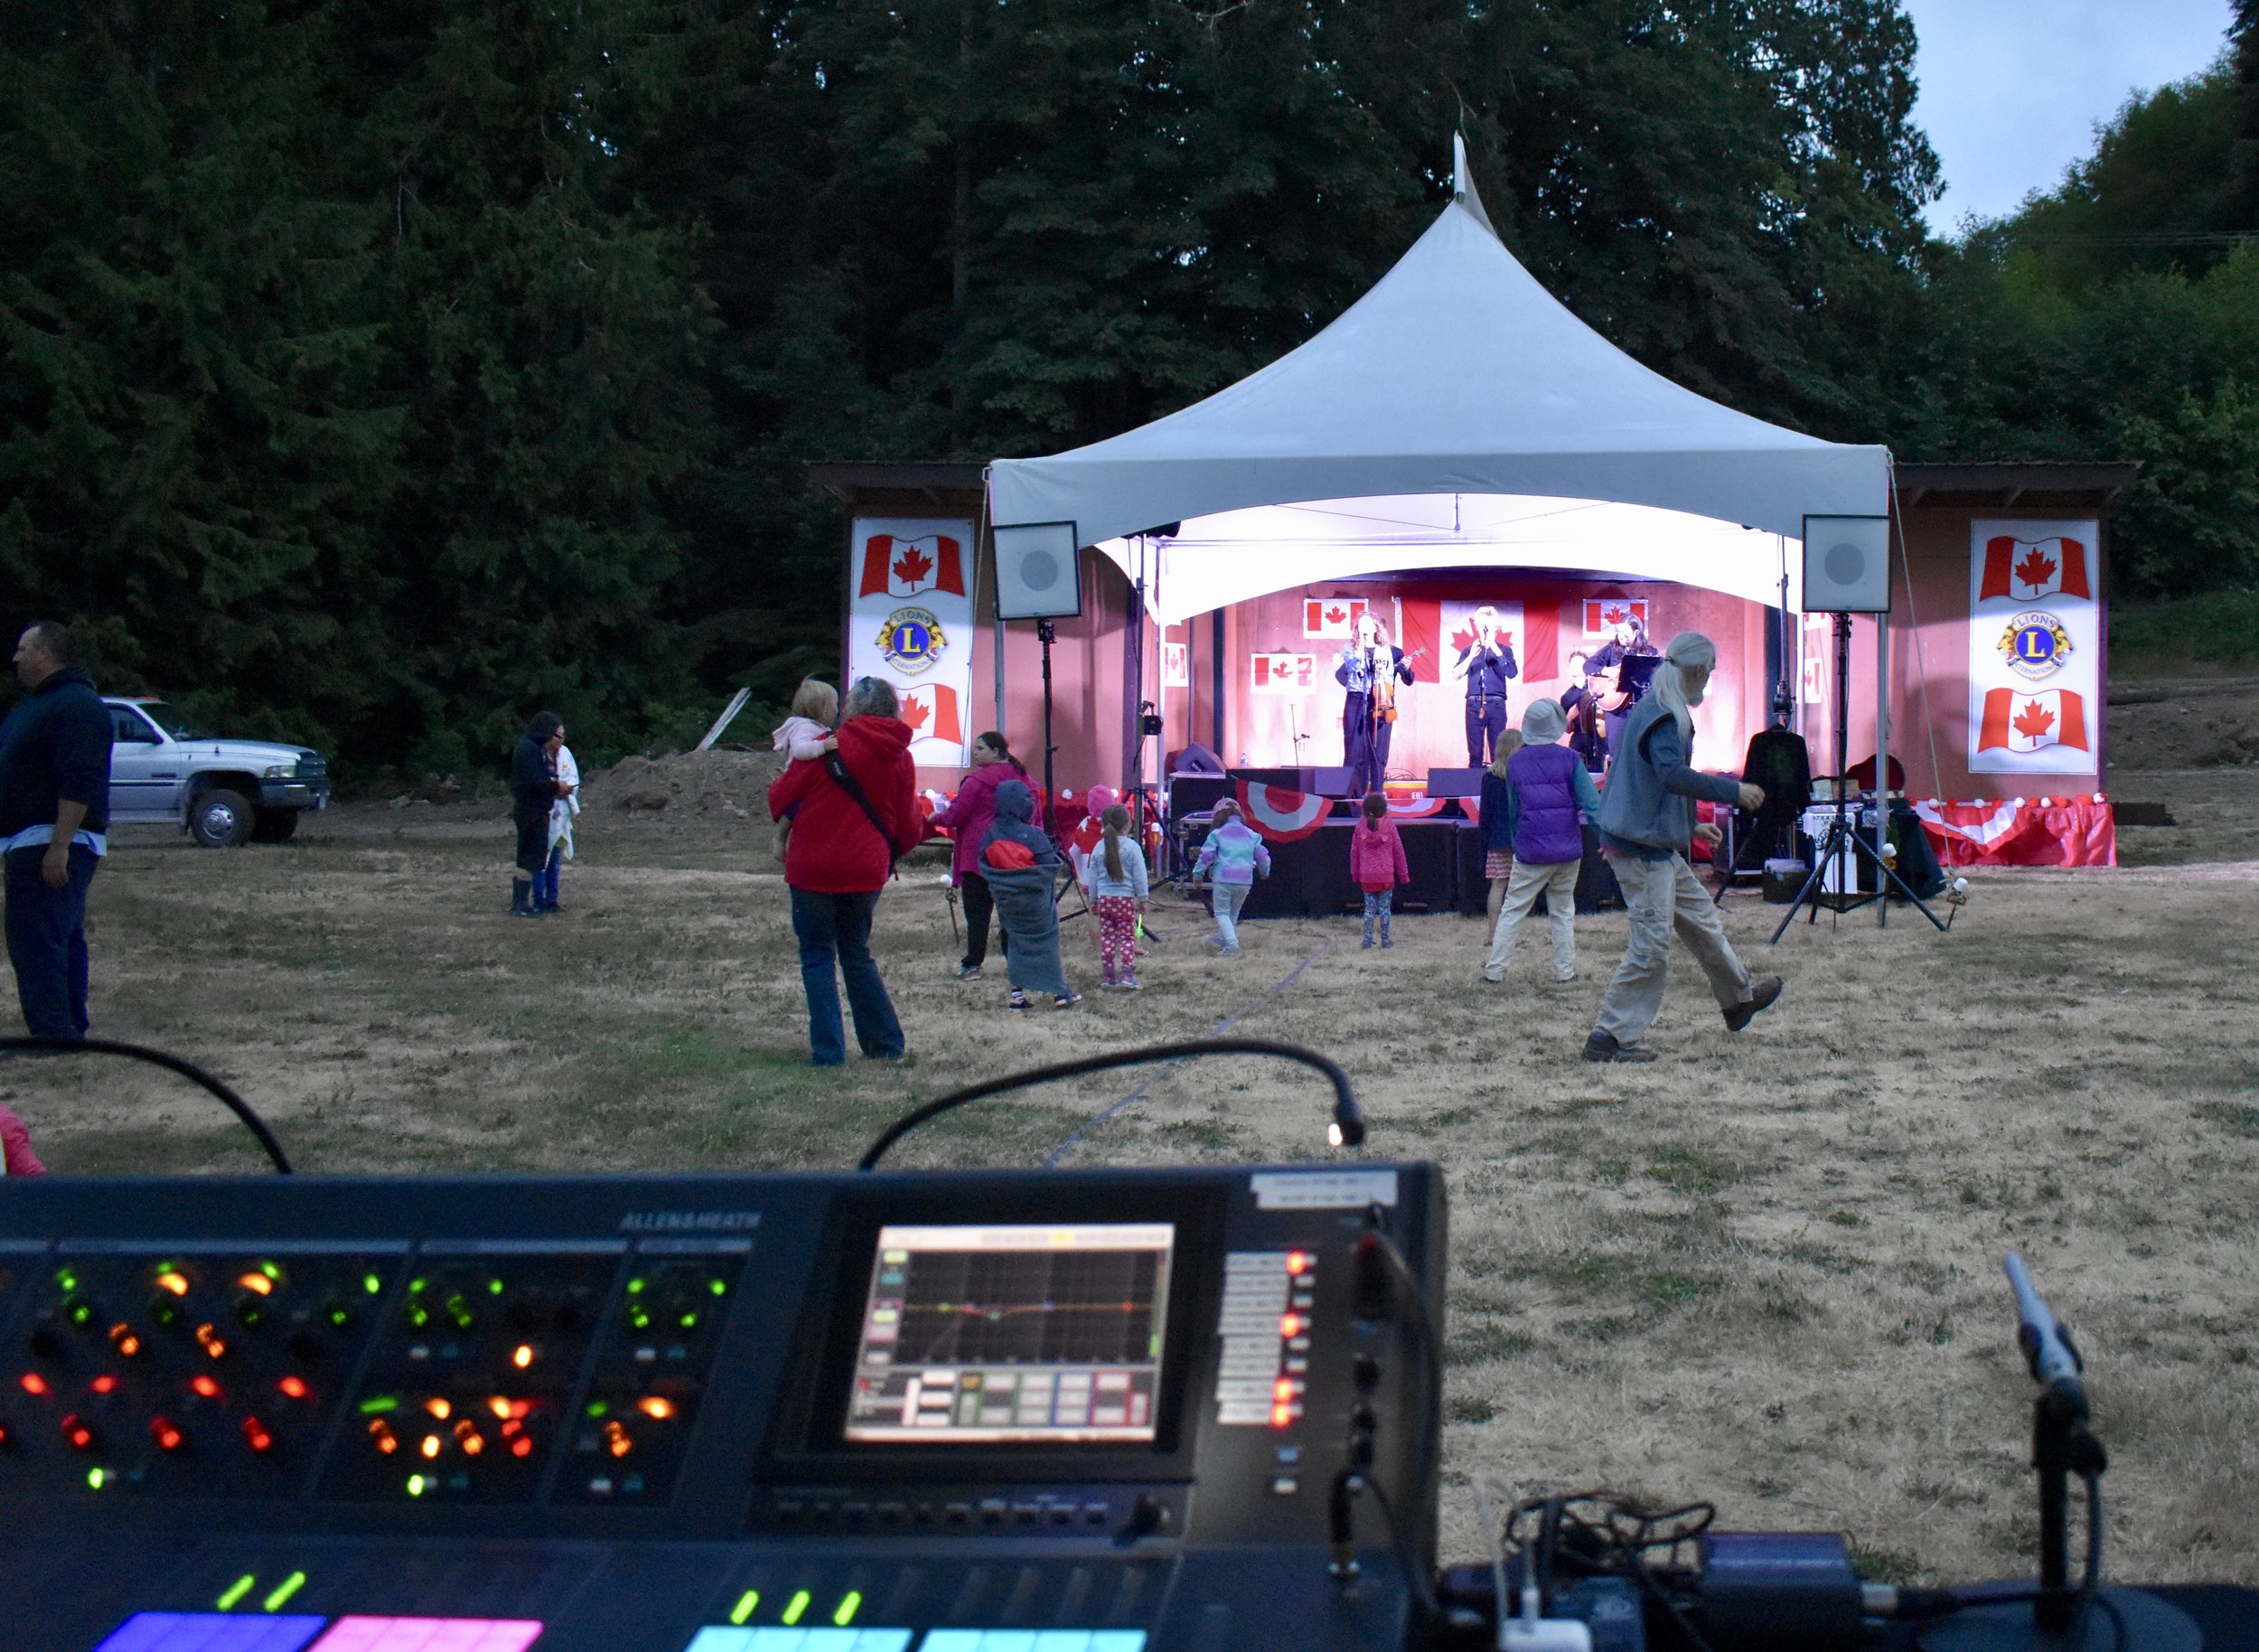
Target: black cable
<point>1407,1562</point>
<point>1348,1121</point>
<point>172,1064</point>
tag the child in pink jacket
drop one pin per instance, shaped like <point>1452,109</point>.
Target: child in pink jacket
<point>1377,863</point>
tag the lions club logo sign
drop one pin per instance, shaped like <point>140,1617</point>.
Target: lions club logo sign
<point>911,639</point>
<point>2035,644</point>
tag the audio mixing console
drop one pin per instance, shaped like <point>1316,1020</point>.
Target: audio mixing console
<point>1064,1412</point>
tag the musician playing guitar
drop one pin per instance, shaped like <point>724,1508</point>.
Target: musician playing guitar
<point>1372,671</point>
<point>1604,674</point>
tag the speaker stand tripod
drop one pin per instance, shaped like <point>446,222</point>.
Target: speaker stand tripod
<point>1842,831</point>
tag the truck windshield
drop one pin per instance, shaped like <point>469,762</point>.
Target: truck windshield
<point>172,721</point>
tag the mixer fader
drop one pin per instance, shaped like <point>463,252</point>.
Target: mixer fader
<point>1065,1412</point>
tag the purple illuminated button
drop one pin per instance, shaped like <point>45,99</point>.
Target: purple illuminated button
<point>429,1635</point>
<point>210,1632</point>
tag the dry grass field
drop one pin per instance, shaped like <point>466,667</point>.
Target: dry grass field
<point>1764,1270</point>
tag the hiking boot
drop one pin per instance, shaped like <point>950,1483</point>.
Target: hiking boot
<point>1760,998</point>
<point>1603,1046</point>
<point>967,972</point>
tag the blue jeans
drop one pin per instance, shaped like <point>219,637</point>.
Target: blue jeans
<point>1227,898</point>
<point>47,942</point>
<point>838,928</point>
<point>545,880</point>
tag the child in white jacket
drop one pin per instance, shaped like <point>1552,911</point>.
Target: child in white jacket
<point>805,735</point>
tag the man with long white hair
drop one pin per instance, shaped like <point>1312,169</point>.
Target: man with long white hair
<point>1646,824</point>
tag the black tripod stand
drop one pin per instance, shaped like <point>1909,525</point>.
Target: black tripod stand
<point>1047,633</point>
<point>1843,833</point>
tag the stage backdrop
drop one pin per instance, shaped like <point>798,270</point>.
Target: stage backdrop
<point>2035,647</point>
<point>910,621</point>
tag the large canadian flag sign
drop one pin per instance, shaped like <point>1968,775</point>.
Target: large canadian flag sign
<point>912,568</point>
<point>2027,722</point>
<point>2028,569</point>
<point>933,713</point>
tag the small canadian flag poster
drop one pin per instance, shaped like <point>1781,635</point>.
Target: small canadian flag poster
<point>1282,673</point>
<point>2021,722</point>
<point>2028,569</point>
<point>1603,614</point>
<point>1331,617</point>
<point>932,712</point>
<point>918,566</point>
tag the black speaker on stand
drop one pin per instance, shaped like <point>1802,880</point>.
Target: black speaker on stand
<point>1039,577</point>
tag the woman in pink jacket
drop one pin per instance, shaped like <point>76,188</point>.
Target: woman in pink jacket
<point>1377,863</point>
<point>968,815</point>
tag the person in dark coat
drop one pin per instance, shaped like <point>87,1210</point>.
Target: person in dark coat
<point>534,789</point>
<point>54,824</point>
<point>842,851</point>
<point>1021,864</point>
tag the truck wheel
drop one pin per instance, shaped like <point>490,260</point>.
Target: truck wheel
<point>219,819</point>
<point>273,825</point>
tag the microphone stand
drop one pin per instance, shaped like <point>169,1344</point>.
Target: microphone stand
<point>2061,1445</point>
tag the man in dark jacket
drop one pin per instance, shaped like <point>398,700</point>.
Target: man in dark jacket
<point>54,815</point>
<point>845,838</point>
<point>533,789</point>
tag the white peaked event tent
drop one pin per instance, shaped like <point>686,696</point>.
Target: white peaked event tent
<point>1457,376</point>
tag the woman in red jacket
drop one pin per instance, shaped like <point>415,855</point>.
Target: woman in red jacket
<point>842,851</point>
<point>969,816</point>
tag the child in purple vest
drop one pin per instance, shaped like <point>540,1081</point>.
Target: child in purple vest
<point>1548,793</point>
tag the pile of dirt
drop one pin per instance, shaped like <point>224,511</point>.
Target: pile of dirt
<point>2184,723</point>
<point>723,783</point>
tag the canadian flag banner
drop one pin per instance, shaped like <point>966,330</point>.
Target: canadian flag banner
<point>2029,722</point>
<point>895,567</point>
<point>2028,569</point>
<point>933,713</point>
<point>1331,617</point>
<point>1603,614</point>
<point>1281,673</point>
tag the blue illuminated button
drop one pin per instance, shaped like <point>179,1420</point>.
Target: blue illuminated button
<point>210,1632</point>
<point>1032,1640</point>
<point>1118,1640</point>
<point>719,1639</point>
<point>1064,1640</point>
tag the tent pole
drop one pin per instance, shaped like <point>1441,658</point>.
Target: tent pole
<point>1882,759</point>
<point>1215,692</point>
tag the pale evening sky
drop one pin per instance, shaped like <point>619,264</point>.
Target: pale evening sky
<point>2011,91</point>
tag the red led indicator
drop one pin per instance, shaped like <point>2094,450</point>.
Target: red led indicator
<point>76,1432</point>
<point>103,1384</point>
<point>256,1436</point>
<point>122,1337</point>
<point>522,1447</point>
<point>205,1386</point>
<point>34,1383</point>
<point>168,1438</point>
<point>1281,1414</point>
<point>295,1386</point>
<point>1282,1389</point>
<point>1290,1325</point>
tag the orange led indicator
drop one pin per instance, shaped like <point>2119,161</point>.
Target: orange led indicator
<point>205,1386</point>
<point>256,1436</point>
<point>293,1386</point>
<point>615,1439</point>
<point>521,1356</point>
<point>168,1438</point>
<point>1297,1262</point>
<point>209,1340</point>
<point>173,1280</point>
<point>430,1447</point>
<point>257,1284</point>
<point>103,1384</point>
<point>123,1340</point>
<point>34,1383</point>
<point>439,1408</point>
<point>1282,1389</point>
<point>656,1405</point>
<point>467,1436</point>
<point>1281,1415</point>
<point>522,1447</point>
<point>380,1433</point>
<point>1290,1325</point>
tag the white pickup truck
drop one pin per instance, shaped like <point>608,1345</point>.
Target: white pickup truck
<point>165,769</point>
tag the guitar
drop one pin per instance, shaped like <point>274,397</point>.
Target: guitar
<point>1611,693</point>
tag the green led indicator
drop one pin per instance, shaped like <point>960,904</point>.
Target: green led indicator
<point>1153,1347</point>
<point>371,1283</point>
<point>689,1321</point>
<point>493,1287</point>
<point>95,1478</point>
<point>719,1287</point>
<point>795,1606</point>
<point>270,1270</point>
<point>379,1405</point>
<point>415,1286</point>
<point>235,1591</point>
<point>416,1484</point>
<point>636,1286</point>
<point>338,1317</point>
<point>745,1603</point>
<point>597,1408</point>
<point>849,1605</point>
<point>67,1280</point>
<point>81,1313</point>
<point>283,1591</point>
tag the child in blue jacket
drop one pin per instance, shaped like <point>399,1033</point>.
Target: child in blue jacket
<point>1232,858</point>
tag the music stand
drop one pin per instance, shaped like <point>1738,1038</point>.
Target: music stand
<point>1843,826</point>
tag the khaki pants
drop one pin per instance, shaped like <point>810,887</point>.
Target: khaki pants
<point>1663,895</point>
<point>1557,882</point>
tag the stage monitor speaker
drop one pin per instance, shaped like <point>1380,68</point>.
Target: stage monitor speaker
<point>1290,779</point>
<point>1195,794</point>
<point>1847,565</point>
<point>1330,782</point>
<point>1454,782</point>
<point>1038,572</point>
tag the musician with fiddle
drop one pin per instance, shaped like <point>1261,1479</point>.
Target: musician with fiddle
<point>1486,665</point>
<point>1372,671</point>
<point>1613,689</point>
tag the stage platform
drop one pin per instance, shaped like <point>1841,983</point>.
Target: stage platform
<point>1309,879</point>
